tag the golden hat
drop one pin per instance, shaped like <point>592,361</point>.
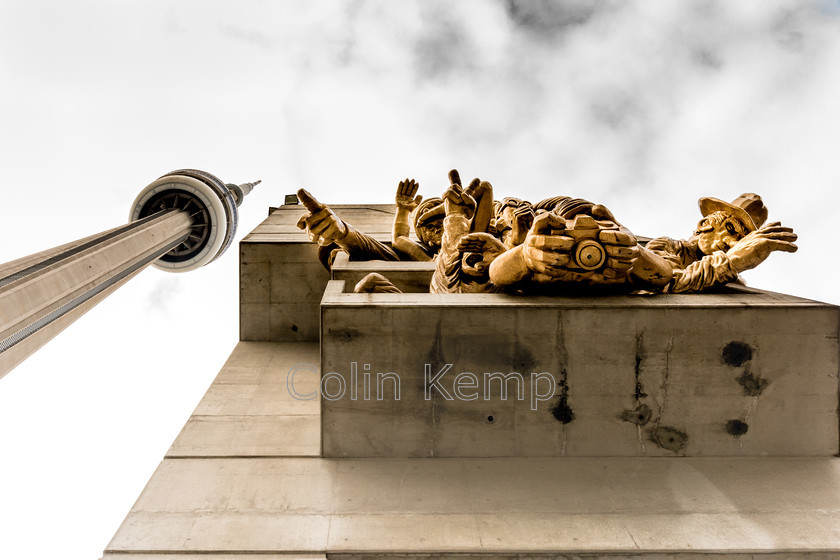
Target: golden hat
<point>748,208</point>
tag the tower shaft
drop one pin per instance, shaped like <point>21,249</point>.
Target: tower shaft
<point>42,294</point>
<point>179,222</point>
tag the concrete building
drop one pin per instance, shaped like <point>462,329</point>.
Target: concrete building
<point>666,426</point>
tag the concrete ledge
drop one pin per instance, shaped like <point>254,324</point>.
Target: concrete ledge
<point>738,373</point>
<point>250,409</point>
<point>489,508</point>
<point>408,276</point>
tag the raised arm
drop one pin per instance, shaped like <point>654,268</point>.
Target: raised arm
<point>407,200</point>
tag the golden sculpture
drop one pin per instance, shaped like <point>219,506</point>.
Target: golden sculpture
<point>467,250</point>
<point>428,223</point>
<point>333,234</point>
<point>729,240</point>
<point>559,245</point>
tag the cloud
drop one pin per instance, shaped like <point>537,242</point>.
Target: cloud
<point>550,18</point>
<point>161,294</point>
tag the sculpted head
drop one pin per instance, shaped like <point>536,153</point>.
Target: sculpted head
<point>724,224</point>
<point>505,213</point>
<point>428,222</point>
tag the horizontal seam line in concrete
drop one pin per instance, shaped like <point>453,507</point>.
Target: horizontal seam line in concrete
<point>481,551</point>
<point>549,305</point>
<point>255,415</point>
<point>207,552</point>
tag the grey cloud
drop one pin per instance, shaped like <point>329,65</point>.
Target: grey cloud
<point>441,47</point>
<point>707,57</point>
<point>787,30</point>
<point>552,17</point>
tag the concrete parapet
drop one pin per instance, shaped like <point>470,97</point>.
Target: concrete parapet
<point>743,373</point>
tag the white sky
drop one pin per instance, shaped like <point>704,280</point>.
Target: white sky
<point>642,106</point>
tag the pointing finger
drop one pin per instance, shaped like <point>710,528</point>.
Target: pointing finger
<point>309,201</point>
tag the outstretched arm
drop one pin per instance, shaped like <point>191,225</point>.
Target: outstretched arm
<point>325,228</point>
<point>754,249</point>
<point>406,202</point>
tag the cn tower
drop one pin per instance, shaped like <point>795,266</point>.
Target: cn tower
<point>180,222</point>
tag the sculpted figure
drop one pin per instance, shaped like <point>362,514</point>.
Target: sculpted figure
<point>332,233</point>
<point>730,239</point>
<point>512,218</point>
<point>428,216</point>
<point>559,252</point>
<point>427,220</point>
<point>463,263</point>
<point>568,249</point>
<point>559,245</point>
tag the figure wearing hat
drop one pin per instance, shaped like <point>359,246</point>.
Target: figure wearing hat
<point>730,239</point>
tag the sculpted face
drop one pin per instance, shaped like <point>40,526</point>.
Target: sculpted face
<point>719,231</point>
<point>431,233</point>
<point>428,222</point>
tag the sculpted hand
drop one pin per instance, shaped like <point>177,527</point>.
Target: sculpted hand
<point>480,249</point>
<point>622,251</point>
<point>545,249</point>
<point>375,283</point>
<point>321,224</point>
<point>405,195</point>
<point>753,249</point>
<point>523,219</point>
<point>456,201</point>
<point>476,188</point>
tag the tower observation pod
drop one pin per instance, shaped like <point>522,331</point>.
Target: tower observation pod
<point>180,222</point>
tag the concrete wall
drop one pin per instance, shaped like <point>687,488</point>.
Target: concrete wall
<point>743,373</point>
<point>281,280</point>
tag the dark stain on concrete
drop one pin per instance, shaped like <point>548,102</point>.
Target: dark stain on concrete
<point>639,415</point>
<point>523,359</point>
<point>753,384</point>
<point>736,354</point>
<point>737,428</point>
<point>436,358</point>
<point>561,409</point>
<point>669,438</point>
<point>638,392</point>
<point>435,353</point>
<point>345,335</point>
